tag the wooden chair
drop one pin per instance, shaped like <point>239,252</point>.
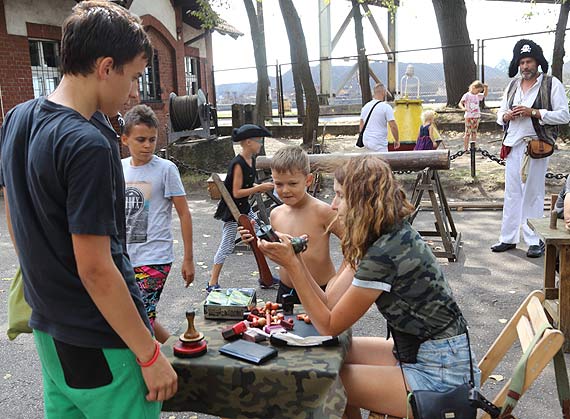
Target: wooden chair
<point>524,324</point>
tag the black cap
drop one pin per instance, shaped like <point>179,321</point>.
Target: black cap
<point>527,48</point>
<point>249,131</point>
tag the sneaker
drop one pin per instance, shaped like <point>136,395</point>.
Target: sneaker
<point>275,282</point>
<point>213,287</point>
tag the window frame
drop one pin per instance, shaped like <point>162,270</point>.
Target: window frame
<point>152,72</point>
<point>43,74</point>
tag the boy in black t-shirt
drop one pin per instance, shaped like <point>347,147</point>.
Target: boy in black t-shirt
<point>62,183</point>
<point>240,183</point>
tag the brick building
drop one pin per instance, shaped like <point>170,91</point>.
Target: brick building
<point>30,33</point>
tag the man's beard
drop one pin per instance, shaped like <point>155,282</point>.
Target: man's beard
<point>529,74</point>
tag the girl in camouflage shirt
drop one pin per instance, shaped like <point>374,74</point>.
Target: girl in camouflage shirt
<point>393,267</point>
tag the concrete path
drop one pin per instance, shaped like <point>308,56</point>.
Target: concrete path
<point>487,286</point>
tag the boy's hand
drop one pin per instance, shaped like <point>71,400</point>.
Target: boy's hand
<point>188,272</point>
<point>245,234</point>
<point>265,187</point>
<point>160,379</point>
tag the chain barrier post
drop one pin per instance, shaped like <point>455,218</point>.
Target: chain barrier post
<point>472,153</point>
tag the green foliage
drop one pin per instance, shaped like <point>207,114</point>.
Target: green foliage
<point>206,14</point>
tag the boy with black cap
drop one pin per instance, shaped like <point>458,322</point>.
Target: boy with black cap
<point>533,106</point>
<point>240,183</point>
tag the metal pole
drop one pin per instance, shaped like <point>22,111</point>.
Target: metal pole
<point>478,63</point>
<point>282,96</point>
<point>277,89</point>
<point>2,103</point>
<point>482,61</point>
<point>472,151</point>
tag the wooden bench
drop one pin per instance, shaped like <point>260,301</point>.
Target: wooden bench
<point>524,324</point>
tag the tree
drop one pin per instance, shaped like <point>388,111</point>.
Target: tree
<point>262,102</point>
<point>558,53</point>
<point>300,59</point>
<point>458,63</point>
<point>363,73</point>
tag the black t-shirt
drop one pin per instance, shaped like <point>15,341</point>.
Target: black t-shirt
<point>223,212</point>
<point>63,177</point>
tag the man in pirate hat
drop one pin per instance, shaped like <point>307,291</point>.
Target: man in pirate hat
<point>533,106</point>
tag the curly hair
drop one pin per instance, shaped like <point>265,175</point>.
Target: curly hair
<point>374,203</point>
<point>140,115</point>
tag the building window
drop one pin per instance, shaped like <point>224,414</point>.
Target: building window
<point>44,57</point>
<point>192,69</point>
<point>149,82</point>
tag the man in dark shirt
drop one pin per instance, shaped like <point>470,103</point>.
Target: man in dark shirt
<point>63,188</point>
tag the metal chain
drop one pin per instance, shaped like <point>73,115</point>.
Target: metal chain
<point>185,166</point>
<point>456,155</point>
<point>490,156</point>
<point>502,162</point>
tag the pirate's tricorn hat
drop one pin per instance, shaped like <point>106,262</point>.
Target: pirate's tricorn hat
<point>527,48</point>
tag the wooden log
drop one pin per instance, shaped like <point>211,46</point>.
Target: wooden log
<point>401,160</point>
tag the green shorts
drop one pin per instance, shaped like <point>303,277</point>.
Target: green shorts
<point>91,382</point>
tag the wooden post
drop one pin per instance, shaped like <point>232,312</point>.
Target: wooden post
<point>402,160</point>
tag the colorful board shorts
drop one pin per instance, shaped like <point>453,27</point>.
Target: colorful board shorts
<point>471,125</point>
<point>151,280</point>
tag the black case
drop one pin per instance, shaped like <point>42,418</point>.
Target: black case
<point>249,351</point>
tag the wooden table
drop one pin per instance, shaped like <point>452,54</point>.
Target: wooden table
<point>557,302</point>
<point>299,382</point>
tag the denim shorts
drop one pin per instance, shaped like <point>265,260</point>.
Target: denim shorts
<point>442,365</point>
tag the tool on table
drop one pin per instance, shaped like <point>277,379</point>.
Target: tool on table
<point>191,343</point>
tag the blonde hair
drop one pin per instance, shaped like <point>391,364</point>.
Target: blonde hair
<point>477,84</point>
<point>290,159</point>
<point>375,203</point>
<point>428,115</point>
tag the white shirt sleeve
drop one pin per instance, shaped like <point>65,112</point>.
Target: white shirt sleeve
<point>504,106</point>
<point>389,113</point>
<point>559,114</point>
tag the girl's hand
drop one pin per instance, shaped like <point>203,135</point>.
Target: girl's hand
<point>279,252</point>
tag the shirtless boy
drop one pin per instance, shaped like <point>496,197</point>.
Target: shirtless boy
<point>302,214</point>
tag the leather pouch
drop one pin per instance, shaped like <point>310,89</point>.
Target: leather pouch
<point>538,149</point>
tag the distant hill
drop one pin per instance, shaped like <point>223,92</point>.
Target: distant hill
<point>431,78</point>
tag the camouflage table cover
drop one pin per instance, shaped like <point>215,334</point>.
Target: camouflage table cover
<point>301,382</point>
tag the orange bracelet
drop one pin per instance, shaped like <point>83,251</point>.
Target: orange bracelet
<point>154,356</point>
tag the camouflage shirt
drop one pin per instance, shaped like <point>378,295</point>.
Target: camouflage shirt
<point>416,299</point>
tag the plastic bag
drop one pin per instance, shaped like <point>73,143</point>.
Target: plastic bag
<point>19,311</point>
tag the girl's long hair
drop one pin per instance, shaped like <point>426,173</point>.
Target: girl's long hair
<point>374,203</point>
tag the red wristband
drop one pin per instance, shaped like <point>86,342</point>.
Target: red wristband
<point>154,356</point>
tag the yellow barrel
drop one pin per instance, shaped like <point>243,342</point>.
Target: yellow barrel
<point>407,113</point>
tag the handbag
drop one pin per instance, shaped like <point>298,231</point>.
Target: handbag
<point>538,149</point>
<point>360,139</point>
<point>451,404</point>
<point>19,312</point>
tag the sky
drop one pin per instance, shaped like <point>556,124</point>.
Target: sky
<point>416,28</point>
